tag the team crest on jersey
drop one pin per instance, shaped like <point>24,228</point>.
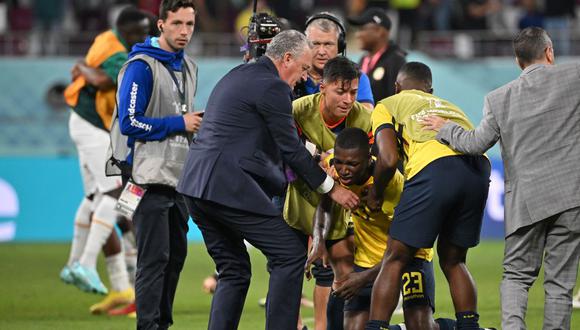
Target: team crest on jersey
<point>379,73</point>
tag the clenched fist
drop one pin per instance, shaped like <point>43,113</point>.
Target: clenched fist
<point>192,122</point>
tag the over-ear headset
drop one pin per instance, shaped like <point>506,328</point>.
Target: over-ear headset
<point>341,33</point>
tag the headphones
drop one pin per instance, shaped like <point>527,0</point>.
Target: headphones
<point>341,33</point>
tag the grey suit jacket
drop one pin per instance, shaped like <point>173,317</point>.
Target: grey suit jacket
<point>536,119</point>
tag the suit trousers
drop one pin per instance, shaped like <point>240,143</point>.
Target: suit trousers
<point>556,241</point>
<point>224,230</point>
<point>161,228</point>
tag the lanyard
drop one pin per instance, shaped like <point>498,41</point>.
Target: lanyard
<point>180,90</point>
<point>369,62</point>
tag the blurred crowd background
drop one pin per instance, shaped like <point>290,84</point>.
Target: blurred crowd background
<point>456,28</point>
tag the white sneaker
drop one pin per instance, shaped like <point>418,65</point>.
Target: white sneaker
<point>66,276</point>
<point>87,279</point>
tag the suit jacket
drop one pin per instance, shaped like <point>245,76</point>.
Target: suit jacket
<point>247,133</point>
<point>536,118</point>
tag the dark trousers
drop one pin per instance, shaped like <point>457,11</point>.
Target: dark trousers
<point>224,230</point>
<point>161,231</point>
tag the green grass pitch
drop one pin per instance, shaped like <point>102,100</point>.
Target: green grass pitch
<point>32,296</point>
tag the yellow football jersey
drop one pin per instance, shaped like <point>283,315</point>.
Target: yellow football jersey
<point>371,228</point>
<point>403,112</point>
<point>301,201</point>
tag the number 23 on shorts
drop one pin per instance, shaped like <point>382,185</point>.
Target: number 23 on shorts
<point>412,283</point>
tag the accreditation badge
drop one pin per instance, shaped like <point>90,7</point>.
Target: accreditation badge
<point>130,199</point>
<point>379,73</point>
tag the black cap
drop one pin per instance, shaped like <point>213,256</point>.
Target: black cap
<point>372,15</point>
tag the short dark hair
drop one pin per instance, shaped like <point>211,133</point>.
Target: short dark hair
<point>417,71</point>
<point>153,28</point>
<point>352,138</point>
<point>530,44</point>
<point>129,15</point>
<point>173,5</point>
<point>340,68</point>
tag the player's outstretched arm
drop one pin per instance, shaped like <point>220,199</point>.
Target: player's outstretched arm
<point>321,228</point>
<point>94,76</point>
<point>473,142</point>
<point>385,166</point>
<point>344,197</point>
<point>354,282</point>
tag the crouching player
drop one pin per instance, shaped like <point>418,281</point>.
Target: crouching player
<point>353,165</point>
<point>319,117</point>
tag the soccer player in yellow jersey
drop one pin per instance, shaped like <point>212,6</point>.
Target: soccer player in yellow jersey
<point>353,166</point>
<point>443,197</point>
<point>319,118</point>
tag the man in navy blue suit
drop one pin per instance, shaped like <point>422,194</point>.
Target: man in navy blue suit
<point>233,169</point>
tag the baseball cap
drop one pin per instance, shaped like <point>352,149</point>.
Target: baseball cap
<point>372,15</point>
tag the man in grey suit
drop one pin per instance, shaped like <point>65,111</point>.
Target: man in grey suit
<point>536,118</point>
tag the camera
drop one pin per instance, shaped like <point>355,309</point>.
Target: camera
<point>261,30</point>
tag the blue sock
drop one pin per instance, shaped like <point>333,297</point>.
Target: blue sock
<point>378,325</point>
<point>467,321</point>
<point>446,324</point>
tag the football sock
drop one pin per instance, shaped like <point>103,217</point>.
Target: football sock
<point>117,270</point>
<point>104,219</point>
<point>446,324</point>
<point>379,325</point>
<point>130,252</point>
<point>81,230</point>
<point>467,320</point>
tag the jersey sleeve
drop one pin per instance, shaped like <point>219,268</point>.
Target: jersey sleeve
<point>113,65</point>
<point>134,93</point>
<point>365,93</point>
<point>381,118</point>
